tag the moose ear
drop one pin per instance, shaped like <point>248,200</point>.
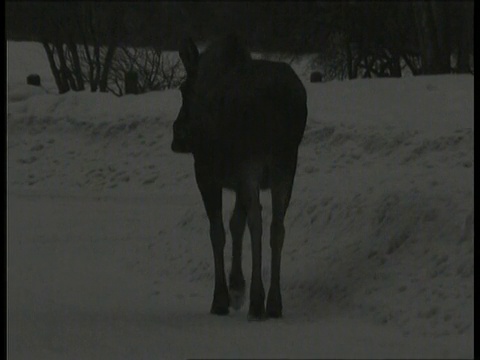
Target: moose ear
<point>189,55</point>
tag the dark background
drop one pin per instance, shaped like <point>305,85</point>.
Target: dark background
<point>351,39</point>
<point>270,26</point>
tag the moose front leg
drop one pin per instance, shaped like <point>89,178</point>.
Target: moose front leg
<point>212,199</point>
<point>221,299</point>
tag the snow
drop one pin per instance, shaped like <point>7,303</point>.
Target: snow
<point>108,252</point>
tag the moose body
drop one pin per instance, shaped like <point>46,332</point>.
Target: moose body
<point>243,120</point>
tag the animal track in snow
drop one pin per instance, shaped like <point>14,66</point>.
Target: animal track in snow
<point>27,161</point>
<point>37,147</point>
<point>150,180</point>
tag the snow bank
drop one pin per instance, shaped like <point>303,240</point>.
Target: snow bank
<point>108,245</point>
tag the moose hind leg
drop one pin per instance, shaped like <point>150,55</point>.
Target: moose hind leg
<point>236,279</point>
<point>251,201</point>
<point>281,191</point>
<point>277,235</point>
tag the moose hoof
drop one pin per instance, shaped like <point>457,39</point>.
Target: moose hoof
<point>237,299</point>
<point>219,310</point>
<point>256,313</point>
<point>220,303</point>
<point>274,313</point>
<point>274,304</point>
<point>253,317</point>
<point>237,292</point>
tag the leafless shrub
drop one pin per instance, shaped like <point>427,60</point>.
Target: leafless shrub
<point>333,62</point>
<point>156,70</point>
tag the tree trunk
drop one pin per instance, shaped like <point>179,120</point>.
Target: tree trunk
<point>463,58</point>
<point>368,67</point>
<point>354,59</point>
<point>395,67</point>
<point>92,59</point>
<point>423,29</point>
<point>110,52</point>
<point>65,72</point>
<point>430,19</point>
<point>77,69</point>
<point>62,87</point>
<point>106,68</point>
<point>131,82</point>
<point>439,11</point>
<point>91,65</point>
<point>96,51</point>
<point>464,38</point>
<point>410,61</point>
<point>98,67</point>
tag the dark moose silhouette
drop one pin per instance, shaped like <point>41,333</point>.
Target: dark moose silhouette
<point>243,120</point>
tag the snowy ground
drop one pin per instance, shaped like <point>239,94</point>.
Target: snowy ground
<point>108,248</point>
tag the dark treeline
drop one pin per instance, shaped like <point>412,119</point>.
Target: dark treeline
<point>264,25</point>
<point>352,38</point>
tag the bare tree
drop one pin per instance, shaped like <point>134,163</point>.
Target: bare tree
<point>100,27</point>
<point>383,38</point>
<point>93,25</point>
<point>445,31</point>
<point>430,21</point>
<point>463,36</point>
<point>156,70</point>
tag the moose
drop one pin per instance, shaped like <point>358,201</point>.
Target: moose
<point>243,121</point>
